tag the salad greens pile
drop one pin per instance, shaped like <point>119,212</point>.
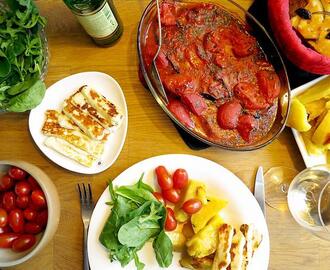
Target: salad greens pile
<point>136,217</point>
<point>21,56</point>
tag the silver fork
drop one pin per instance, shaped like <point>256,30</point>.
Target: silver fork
<point>86,206</point>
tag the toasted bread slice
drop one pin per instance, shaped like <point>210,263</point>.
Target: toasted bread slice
<point>85,121</point>
<point>253,239</point>
<point>58,125</point>
<point>222,257</point>
<point>78,100</point>
<point>103,106</point>
<point>70,151</point>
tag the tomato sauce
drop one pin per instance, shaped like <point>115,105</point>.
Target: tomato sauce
<point>218,79</point>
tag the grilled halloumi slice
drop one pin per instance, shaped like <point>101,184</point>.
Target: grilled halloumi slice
<point>222,257</point>
<point>58,125</point>
<point>70,151</point>
<point>236,251</point>
<point>85,121</point>
<point>78,100</point>
<point>253,239</point>
<point>104,107</point>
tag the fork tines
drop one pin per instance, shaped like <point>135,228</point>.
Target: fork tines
<point>85,193</point>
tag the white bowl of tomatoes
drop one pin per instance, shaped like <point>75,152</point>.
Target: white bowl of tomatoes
<point>29,211</point>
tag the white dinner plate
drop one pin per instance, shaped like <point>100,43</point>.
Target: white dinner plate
<point>54,97</point>
<point>242,208</point>
<point>310,160</point>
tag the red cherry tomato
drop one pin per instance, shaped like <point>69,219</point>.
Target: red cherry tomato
<point>163,177</point>
<point>192,206</point>
<point>22,201</point>
<point>42,218</point>
<point>22,188</point>
<point>6,182</point>
<point>17,173</point>
<point>7,239</point>
<point>24,242</point>
<point>3,217</point>
<point>33,183</point>
<point>170,222</point>
<point>159,197</point>
<point>32,228</point>
<point>38,198</point>
<point>246,123</point>
<point>5,229</point>
<point>172,195</point>
<point>8,201</point>
<point>16,220</point>
<point>180,179</point>
<point>30,214</point>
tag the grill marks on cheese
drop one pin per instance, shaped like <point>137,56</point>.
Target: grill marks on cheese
<point>80,130</point>
<point>236,247</point>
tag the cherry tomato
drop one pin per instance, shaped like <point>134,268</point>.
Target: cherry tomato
<point>32,228</point>
<point>180,112</point>
<point>6,182</point>
<point>269,84</point>
<point>228,114</point>
<point>22,201</point>
<point>8,200</point>
<point>250,97</point>
<point>30,214</point>
<point>159,197</point>
<point>33,183</point>
<point>16,220</point>
<point>3,217</point>
<point>17,173</point>
<point>38,198</point>
<point>24,242</point>
<point>163,177</point>
<point>195,103</point>
<point>180,179</point>
<point>172,195</point>
<point>7,239</point>
<point>192,206</point>
<point>5,229</point>
<point>170,222</point>
<point>22,188</point>
<point>42,218</point>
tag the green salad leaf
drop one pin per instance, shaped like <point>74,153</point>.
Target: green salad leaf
<point>21,56</point>
<point>136,217</point>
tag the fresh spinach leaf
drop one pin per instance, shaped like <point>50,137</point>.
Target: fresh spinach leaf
<point>28,99</point>
<point>163,249</point>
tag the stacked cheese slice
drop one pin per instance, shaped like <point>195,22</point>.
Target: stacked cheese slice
<point>83,126</point>
<point>236,247</point>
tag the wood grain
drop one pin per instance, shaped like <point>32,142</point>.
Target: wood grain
<point>150,133</point>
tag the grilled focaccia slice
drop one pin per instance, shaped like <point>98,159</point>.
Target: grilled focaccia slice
<point>70,151</point>
<point>103,106</point>
<point>58,125</point>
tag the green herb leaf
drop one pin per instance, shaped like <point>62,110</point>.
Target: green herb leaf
<point>163,249</point>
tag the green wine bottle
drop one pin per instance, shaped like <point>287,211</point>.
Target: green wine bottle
<point>99,18</point>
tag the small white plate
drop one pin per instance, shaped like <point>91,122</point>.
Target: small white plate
<point>310,160</point>
<point>242,208</point>
<point>54,97</point>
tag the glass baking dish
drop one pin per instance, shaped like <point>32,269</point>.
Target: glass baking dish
<point>266,44</point>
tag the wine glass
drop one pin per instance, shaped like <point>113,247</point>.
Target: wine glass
<point>277,181</point>
<point>309,200</point>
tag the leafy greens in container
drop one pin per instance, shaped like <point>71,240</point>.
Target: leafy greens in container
<point>136,217</point>
<point>22,55</point>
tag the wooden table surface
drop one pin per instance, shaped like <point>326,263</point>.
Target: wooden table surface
<point>150,133</point>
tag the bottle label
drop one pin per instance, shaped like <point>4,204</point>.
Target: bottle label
<point>100,24</point>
